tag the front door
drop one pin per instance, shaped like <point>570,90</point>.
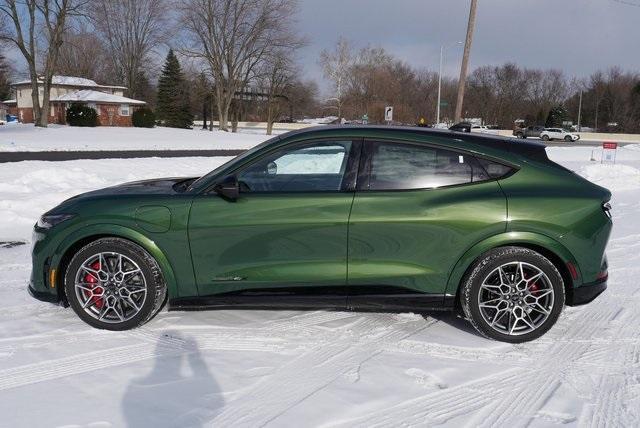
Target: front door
<point>417,210</point>
<point>286,235</point>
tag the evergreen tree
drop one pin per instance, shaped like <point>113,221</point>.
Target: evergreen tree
<point>557,115</point>
<point>173,107</point>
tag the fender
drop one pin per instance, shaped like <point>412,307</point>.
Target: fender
<point>501,240</point>
<point>106,229</point>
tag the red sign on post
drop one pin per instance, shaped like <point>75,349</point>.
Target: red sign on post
<point>609,145</point>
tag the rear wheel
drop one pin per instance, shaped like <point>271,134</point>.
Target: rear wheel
<point>513,294</point>
<point>545,138</point>
<point>114,284</point>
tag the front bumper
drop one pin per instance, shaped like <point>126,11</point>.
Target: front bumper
<point>43,296</point>
<point>585,293</point>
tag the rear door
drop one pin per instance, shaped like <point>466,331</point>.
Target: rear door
<point>417,210</point>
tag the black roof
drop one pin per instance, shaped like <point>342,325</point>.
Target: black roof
<point>531,149</point>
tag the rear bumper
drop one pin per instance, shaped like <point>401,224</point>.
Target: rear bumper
<point>586,293</point>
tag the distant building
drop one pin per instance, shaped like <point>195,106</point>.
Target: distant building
<point>112,107</point>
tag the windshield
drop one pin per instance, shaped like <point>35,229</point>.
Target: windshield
<point>229,163</point>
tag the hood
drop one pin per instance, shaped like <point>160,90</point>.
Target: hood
<point>159,186</point>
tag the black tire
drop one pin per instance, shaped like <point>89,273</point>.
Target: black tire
<point>156,289</point>
<point>545,138</point>
<point>568,139</point>
<point>489,262</point>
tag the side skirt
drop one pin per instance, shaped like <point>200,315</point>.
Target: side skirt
<point>377,303</point>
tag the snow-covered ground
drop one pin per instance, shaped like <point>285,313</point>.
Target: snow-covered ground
<point>26,137</point>
<point>285,368</point>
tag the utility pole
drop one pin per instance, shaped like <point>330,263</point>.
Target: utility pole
<point>580,111</point>
<point>465,59</point>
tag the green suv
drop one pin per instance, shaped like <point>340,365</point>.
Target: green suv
<point>362,218</point>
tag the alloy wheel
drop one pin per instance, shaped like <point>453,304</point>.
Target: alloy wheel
<point>516,298</point>
<point>110,287</point>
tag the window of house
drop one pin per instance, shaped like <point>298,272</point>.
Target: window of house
<point>124,109</point>
<point>312,167</point>
<point>405,166</point>
<point>52,110</point>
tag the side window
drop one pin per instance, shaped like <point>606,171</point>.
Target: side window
<point>404,166</point>
<point>312,167</point>
<point>494,169</point>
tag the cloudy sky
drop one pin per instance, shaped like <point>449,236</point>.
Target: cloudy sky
<point>577,36</point>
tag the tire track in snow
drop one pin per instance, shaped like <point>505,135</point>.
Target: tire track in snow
<point>315,369</point>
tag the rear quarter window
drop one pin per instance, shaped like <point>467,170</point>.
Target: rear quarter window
<point>495,170</point>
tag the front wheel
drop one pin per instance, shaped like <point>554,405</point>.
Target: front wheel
<point>568,139</point>
<point>114,284</point>
<point>513,294</point>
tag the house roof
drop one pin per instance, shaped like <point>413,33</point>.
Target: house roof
<point>71,81</point>
<point>9,102</point>
<point>87,95</point>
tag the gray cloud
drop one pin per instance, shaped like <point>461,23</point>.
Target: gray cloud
<point>576,36</point>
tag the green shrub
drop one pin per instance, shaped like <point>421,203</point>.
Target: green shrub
<point>143,118</point>
<point>81,115</point>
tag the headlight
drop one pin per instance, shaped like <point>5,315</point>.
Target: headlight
<point>48,221</point>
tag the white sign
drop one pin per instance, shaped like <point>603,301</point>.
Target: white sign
<point>388,113</point>
<point>609,150</point>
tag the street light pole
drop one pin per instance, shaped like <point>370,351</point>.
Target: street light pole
<point>442,48</point>
<point>439,86</point>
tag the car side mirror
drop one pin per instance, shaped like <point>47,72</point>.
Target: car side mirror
<point>228,188</point>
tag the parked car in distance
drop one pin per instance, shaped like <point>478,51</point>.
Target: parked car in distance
<point>345,217</point>
<point>558,134</point>
<point>528,132</point>
<point>479,128</point>
<point>461,127</point>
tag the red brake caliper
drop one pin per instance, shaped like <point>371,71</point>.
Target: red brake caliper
<point>90,279</point>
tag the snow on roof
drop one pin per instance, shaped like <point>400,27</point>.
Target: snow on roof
<point>9,102</point>
<point>87,95</point>
<point>71,81</point>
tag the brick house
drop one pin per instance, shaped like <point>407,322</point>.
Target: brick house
<point>112,107</point>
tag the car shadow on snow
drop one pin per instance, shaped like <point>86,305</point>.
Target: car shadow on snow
<point>178,391</point>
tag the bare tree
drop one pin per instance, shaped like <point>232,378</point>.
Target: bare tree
<point>131,30</point>
<point>233,37</point>
<point>82,54</point>
<point>278,73</point>
<point>38,27</point>
<point>336,66</point>
<point>5,72</point>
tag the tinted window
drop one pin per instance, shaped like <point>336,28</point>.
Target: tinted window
<point>494,169</point>
<point>313,167</point>
<point>401,166</point>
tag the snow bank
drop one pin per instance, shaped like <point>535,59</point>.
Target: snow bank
<point>25,137</point>
<point>614,177</point>
<point>28,189</point>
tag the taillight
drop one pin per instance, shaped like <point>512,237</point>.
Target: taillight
<point>606,207</point>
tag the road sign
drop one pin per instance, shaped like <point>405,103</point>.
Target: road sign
<point>609,150</point>
<point>365,119</point>
<point>388,113</point>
